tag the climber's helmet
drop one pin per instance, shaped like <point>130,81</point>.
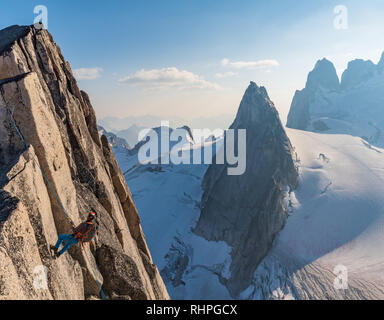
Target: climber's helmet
<point>91,216</point>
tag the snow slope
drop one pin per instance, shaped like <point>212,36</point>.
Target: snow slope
<point>168,198</point>
<point>336,218</point>
<point>357,111</point>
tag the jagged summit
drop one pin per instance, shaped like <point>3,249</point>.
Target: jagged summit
<point>358,71</point>
<point>113,139</point>
<point>254,105</point>
<point>322,77</point>
<point>246,211</point>
<point>355,107</point>
<point>254,88</point>
<point>324,74</point>
<point>259,89</point>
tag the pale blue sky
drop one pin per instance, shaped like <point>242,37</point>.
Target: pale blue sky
<point>166,57</point>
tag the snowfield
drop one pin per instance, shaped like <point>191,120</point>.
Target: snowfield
<point>339,212</point>
<point>336,218</point>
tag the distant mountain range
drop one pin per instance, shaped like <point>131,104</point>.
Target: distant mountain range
<point>129,127</point>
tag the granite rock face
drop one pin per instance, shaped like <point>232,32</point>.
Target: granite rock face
<point>58,122</point>
<point>247,211</point>
<point>358,71</point>
<point>322,76</point>
<point>353,105</point>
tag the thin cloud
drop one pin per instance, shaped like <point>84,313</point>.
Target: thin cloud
<point>169,77</point>
<point>225,75</point>
<point>87,73</point>
<point>259,64</point>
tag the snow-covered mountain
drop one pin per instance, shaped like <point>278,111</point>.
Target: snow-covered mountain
<point>335,221</point>
<point>131,134</point>
<point>355,105</point>
<point>335,218</point>
<point>247,210</point>
<point>113,139</point>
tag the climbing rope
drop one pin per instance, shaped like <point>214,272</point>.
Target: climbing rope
<point>55,194</point>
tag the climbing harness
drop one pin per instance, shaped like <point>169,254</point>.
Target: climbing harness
<point>103,296</point>
<point>84,237</point>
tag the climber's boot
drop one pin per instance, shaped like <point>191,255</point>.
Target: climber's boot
<point>55,252</point>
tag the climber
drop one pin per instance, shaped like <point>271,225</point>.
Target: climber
<point>84,232</point>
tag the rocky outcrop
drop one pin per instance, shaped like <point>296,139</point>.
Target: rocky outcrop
<point>358,71</point>
<point>247,211</point>
<point>322,76</point>
<point>353,106</point>
<point>113,139</point>
<point>59,123</point>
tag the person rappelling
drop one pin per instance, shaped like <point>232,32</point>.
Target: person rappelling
<point>83,233</point>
